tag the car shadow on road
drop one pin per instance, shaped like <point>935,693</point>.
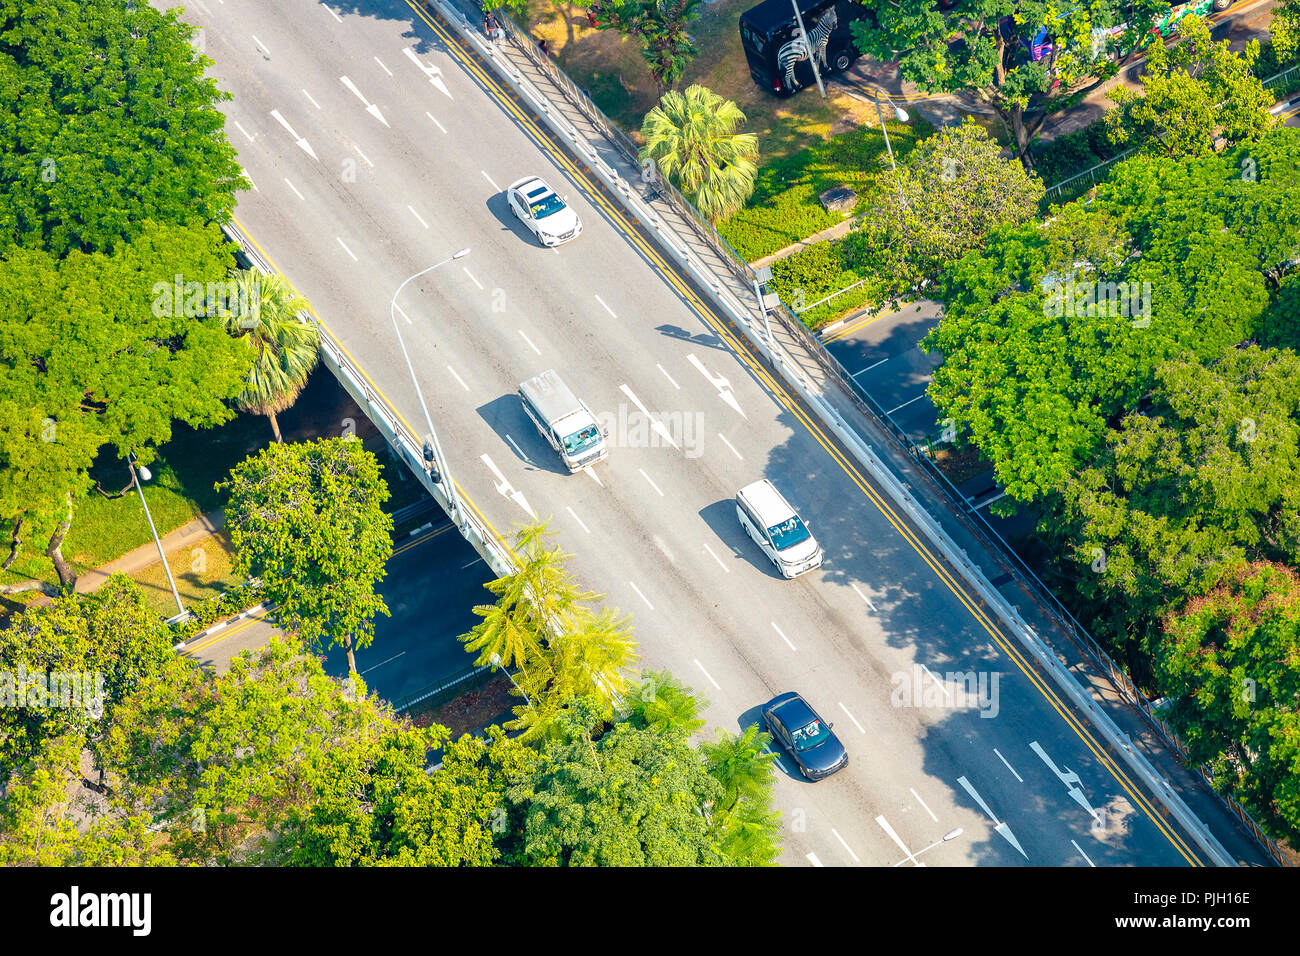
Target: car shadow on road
<point>722,521</point>
<point>505,416</point>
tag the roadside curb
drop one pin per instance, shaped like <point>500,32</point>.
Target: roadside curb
<point>212,629</point>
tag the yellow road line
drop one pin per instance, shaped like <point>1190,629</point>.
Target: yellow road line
<point>743,352</point>
<point>859,326</point>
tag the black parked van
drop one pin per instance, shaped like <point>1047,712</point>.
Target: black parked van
<point>777,55</point>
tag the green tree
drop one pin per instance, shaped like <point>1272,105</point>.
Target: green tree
<point>993,65</point>
<point>1284,30</point>
<point>1192,93</point>
<point>308,520</point>
<point>1205,474</point>
<point>632,797</point>
<point>372,802</point>
<point>100,646</point>
<point>692,139</point>
<point>660,27</point>
<point>947,194</point>
<point>1040,349</point>
<point>748,827</point>
<point>284,348</point>
<point>109,124</point>
<point>104,349</point>
<point>1231,662</point>
<point>662,703</point>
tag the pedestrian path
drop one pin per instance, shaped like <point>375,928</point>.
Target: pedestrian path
<point>140,558</point>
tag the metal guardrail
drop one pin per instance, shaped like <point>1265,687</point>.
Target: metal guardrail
<point>439,692</point>
<point>974,522</point>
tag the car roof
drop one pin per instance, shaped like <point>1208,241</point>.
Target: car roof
<point>767,502</point>
<point>767,16</point>
<point>794,712</point>
<point>553,399</point>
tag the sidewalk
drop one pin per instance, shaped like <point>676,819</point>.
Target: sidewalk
<point>147,554</point>
<point>594,142</point>
<point>837,231</point>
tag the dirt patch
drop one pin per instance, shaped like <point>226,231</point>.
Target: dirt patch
<point>960,464</point>
<point>472,710</point>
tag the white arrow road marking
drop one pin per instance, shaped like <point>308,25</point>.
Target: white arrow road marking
<point>591,473</point>
<point>432,72</point>
<point>884,825</point>
<point>506,489</point>
<point>1070,779</point>
<point>306,146</point>
<point>1001,828</point>
<point>718,382</point>
<point>371,108</point>
<point>657,425</point>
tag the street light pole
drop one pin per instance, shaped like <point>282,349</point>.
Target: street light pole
<point>902,118</point>
<point>950,835</point>
<point>135,480</point>
<point>496,662</point>
<point>811,58</point>
<point>435,463</point>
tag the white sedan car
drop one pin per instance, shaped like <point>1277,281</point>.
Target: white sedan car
<point>547,216</point>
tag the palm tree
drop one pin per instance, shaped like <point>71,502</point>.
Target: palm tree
<point>663,703</point>
<point>285,349</point>
<point>534,603</point>
<point>743,765</point>
<point>692,138</point>
<point>589,659</point>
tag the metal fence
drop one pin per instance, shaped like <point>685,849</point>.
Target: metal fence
<point>439,692</point>
<point>974,522</point>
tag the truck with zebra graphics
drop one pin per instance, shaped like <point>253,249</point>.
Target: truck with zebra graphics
<point>779,55</point>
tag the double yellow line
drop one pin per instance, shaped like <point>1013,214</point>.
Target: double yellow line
<point>743,352</point>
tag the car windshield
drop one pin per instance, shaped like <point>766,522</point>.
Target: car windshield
<point>545,206</point>
<point>809,736</point>
<point>788,533</point>
<point>582,439</point>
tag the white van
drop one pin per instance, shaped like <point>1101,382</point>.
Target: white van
<point>565,422</point>
<point>777,529</point>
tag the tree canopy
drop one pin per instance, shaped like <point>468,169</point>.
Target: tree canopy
<point>946,195</point>
<point>109,124</point>
<point>308,520</point>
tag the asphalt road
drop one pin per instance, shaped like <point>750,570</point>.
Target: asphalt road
<point>434,579</point>
<point>375,153</point>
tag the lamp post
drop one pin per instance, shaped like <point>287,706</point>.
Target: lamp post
<point>950,835</point>
<point>434,461</point>
<point>798,15</point>
<point>136,475</point>
<point>902,118</point>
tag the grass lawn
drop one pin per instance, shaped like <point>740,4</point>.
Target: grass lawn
<point>201,570</point>
<point>181,489</point>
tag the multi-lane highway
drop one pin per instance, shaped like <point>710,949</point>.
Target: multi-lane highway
<point>377,147</point>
